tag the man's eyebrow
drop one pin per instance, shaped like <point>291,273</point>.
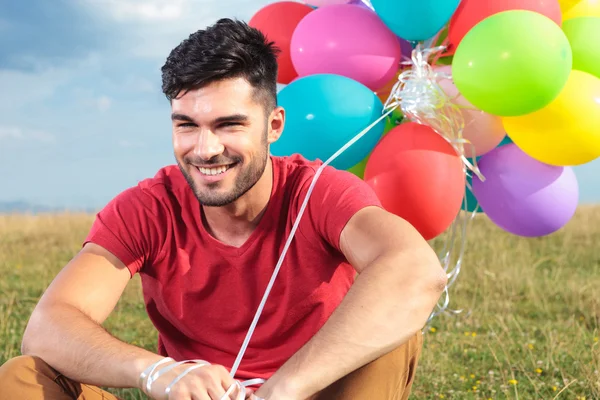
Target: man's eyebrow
<point>181,117</point>
<point>231,118</point>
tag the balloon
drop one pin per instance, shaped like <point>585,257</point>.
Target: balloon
<point>277,21</point>
<point>415,20</point>
<point>346,40</point>
<point>472,203</point>
<point>585,8</point>
<point>359,169</point>
<point>583,34</point>
<point>323,113</point>
<point>321,3</point>
<point>505,141</point>
<point>523,196</point>
<point>418,176</point>
<point>472,12</point>
<point>392,121</point>
<point>567,132</point>
<point>512,63</point>
<point>484,131</point>
<point>566,5</point>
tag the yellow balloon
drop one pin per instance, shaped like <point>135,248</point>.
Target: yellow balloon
<point>585,8</point>
<point>566,5</point>
<point>567,131</point>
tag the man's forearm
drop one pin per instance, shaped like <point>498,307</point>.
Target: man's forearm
<point>79,348</point>
<point>384,308</point>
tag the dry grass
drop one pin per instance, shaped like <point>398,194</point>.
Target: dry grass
<point>529,329</point>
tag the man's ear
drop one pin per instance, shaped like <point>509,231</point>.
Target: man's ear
<point>276,123</point>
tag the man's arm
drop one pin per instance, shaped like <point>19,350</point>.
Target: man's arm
<point>400,280</point>
<point>65,327</point>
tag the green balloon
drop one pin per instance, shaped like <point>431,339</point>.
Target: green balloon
<point>512,63</point>
<point>392,121</point>
<point>359,169</point>
<point>583,34</point>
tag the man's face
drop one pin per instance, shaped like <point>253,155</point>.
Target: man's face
<point>221,139</point>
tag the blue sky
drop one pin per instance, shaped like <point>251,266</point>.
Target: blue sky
<point>82,115</point>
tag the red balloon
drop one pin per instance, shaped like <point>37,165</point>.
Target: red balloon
<point>277,21</point>
<point>418,176</point>
<point>471,12</point>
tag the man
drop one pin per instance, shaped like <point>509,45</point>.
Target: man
<point>206,235</point>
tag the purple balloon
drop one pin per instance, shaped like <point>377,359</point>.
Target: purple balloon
<point>405,45</point>
<point>524,196</point>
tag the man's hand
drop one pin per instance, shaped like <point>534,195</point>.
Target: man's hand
<point>208,382</point>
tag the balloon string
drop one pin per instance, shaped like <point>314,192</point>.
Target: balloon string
<point>291,236</point>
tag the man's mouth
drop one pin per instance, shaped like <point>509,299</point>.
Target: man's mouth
<point>212,171</point>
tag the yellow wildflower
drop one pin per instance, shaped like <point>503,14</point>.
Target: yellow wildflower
<point>472,376</point>
<point>513,381</point>
<point>595,340</point>
<point>530,346</point>
<point>539,370</point>
<point>554,388</point>
<point>474,334</point>
<point>474,388</point>
<point>432,329</point>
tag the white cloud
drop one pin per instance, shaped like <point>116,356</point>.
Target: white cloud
<point>17,133</point>
<point>142,10</point>
<point>153,27</point>
<point>103,103</point>
<point>25,88</point>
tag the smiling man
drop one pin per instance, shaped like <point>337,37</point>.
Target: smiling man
<point>205,236</point>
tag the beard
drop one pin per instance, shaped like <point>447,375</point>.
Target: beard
<point>214,194</point>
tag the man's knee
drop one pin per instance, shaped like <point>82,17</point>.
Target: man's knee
<point>19,366</point>
<point>17,371</point>
<point>389,377</point>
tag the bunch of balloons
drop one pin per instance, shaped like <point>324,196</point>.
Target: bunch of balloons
<point>525,75</point>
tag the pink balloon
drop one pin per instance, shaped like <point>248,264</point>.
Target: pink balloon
<point>321,3</point>
<point>346,40</point>
<point>484,131</point>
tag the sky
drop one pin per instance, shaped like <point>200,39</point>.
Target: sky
<point>82,116</point>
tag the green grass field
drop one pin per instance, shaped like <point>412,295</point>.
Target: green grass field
<point>529,329</point>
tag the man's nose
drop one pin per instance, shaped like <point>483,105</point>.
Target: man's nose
<point>208,145</point>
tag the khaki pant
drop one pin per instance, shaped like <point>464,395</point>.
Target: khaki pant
<point>387,378</point>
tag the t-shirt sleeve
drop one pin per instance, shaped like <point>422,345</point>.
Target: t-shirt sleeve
<point>336,197</point>
<point>129,227</point>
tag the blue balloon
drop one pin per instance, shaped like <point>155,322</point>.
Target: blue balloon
<point>472,203</point>
<point>415,20</point>
<point>505,141</point>
<point>323,113</point>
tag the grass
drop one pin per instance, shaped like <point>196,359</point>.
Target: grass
<point>529,329</point>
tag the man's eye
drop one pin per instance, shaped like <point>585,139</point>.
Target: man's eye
<point>228,124</point>
<point>187,125</point>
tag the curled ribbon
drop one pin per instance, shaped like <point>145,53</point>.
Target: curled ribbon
<point>421,98</point>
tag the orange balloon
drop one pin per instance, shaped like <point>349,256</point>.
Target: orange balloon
<point>384,92</point>
<point>418,176</point>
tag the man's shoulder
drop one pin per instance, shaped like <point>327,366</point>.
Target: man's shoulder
<point>166,186</point>
<point>168,178</point>
<point>300,169</point>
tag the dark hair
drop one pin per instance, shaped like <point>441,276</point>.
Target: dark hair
<point>227,49</point>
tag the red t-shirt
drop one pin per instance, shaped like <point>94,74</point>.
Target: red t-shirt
<point>202,294</point>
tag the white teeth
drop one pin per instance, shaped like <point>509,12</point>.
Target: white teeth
<point>213,171</point>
